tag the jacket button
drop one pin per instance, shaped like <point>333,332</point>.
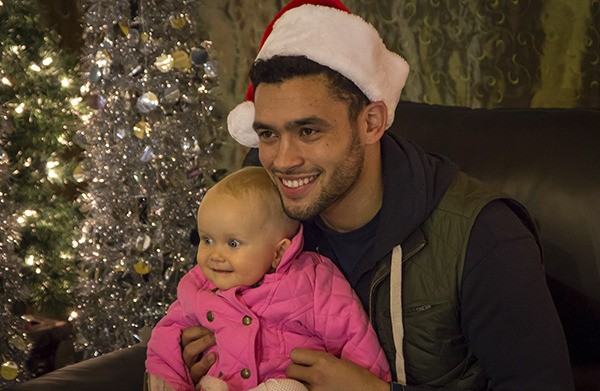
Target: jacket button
<point>245,373</point>
<point>246,320</point>
<point>210,316</point>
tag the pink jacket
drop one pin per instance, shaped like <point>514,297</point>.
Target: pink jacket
<point>305,303</point>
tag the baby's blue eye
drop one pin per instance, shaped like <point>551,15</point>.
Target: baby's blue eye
<point>207,241</point>
<point>233,243</point>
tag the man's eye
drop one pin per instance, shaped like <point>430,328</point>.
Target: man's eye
<point>265,134</point>
<point>308,131</point>
<point>233,243</point>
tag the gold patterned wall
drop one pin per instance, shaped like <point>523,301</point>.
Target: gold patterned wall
<point>488,53</point>
<point>474,53</point>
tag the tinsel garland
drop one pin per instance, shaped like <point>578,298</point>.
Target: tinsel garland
<point>151,150</point>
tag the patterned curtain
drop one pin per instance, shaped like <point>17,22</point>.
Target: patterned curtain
<point>488,53</point>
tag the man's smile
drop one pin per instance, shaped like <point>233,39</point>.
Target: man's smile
<point>294,183</point>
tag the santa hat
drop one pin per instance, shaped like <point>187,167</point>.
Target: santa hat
<point>326,32</point>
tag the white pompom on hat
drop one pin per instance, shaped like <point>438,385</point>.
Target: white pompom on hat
<point>327,33</point>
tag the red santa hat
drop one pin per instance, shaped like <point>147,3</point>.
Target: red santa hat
<point>326,32</point>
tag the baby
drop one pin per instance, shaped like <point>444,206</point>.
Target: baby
<point>261,295</point>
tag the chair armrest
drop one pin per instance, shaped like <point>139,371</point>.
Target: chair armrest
<point>119,370</point>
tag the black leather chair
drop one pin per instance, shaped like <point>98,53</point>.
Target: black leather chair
<point>548,159</point>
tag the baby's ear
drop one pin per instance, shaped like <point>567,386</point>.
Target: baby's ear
<point>279,251</point>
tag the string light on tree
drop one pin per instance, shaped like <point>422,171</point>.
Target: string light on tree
<point>15,346</point>
<point>38,81</point>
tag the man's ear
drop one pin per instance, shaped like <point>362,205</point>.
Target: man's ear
<point>376,119</point>
<point>279,251</point>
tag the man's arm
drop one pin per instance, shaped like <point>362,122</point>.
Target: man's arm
<point>324,372</point>
<point>507,313</point>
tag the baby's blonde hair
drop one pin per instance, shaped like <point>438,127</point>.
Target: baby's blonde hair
<point>256,183</point>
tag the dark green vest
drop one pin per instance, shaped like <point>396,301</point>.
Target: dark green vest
<point>435,351</point>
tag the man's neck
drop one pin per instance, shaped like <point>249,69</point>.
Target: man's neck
<point>361,203</point>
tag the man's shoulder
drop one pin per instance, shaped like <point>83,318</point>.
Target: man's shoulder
<point>499,220</point>
<point>489,209</point>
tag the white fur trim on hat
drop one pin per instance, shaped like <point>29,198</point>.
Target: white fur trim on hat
<point>345,43</point>
<point>341,41</point>
<point>239,123</point>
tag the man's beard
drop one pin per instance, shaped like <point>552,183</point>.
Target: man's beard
<point>343,179</point>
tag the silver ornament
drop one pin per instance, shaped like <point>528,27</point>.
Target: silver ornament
<point>147,102</point>
<point>210,69</point>
<point>147,155</point>
<point>142,242</point>
<point>171,94</point>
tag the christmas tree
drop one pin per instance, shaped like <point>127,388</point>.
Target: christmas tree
<point>151,150</point>
<point>38,83</point>
<point>14,347</point>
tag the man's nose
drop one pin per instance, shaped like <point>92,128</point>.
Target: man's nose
<point>288,155</point>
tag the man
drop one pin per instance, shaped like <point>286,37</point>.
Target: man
<point>448,268</point>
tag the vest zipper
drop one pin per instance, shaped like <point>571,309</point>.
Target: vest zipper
<point>418,247</point>
<point>415,250</point>
<point>373,286</point>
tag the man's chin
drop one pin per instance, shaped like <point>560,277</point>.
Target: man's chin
<point>299,213</point>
